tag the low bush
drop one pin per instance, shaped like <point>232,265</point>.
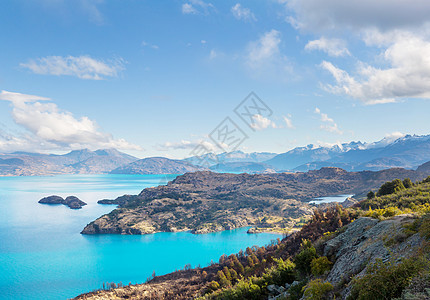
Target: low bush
<point>387,280</point>
<point>317,289</point>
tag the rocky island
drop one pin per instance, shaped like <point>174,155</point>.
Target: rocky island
<point>205,202</point>
<point>70,201</point>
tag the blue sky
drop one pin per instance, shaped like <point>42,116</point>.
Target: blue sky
<point>155,78</point>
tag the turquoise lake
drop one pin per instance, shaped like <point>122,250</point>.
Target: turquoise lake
<point>44,256</point>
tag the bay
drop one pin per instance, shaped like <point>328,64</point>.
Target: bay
<point>44,256</point>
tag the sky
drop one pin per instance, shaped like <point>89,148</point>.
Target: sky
<point>178,78</point>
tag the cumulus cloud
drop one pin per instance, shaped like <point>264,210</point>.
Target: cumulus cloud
<point>242,13</point>
<point>261,123</point>
<point>333,47</point>
<point>83,67</point>
<point>407,74</point>
<point>328,123</point>
<point>50,127</point>
<point>197,7</point>
<point>397,32</point>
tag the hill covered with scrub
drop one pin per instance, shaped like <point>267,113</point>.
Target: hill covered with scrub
<point>206,202</point>
<point>377,249</point>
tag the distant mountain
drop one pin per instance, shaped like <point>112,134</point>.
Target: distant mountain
<point>424,168</point>
<point>229,157</point>
<point>311,153</point>
<point>157,165</point>
<point>77,161</point>
<point>242,167</point>
<point>409,152</point>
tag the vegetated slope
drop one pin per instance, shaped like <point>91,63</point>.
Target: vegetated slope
<point>157,165</point>
<point>78,161</point>
<point>341,253</point>
<point>206,201</point>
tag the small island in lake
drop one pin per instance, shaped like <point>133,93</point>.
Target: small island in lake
<point>71,201</point>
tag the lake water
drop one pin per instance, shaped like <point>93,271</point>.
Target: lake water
<point>338,198</point>
<point>43,255</point>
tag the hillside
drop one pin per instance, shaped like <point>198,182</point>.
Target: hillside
<point>156,165</point>
<point>205,201</point>
<point>341,253</point>
<point>75,162</point>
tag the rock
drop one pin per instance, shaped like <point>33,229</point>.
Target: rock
<point>71,201</point>
<point>252,230</point>
<point>364,241</point>
<point>349,202</point>
<point>74,202</point>
<point>52,200</point>
<point>273,289</point>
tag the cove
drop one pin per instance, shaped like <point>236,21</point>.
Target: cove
<point>43,255</point>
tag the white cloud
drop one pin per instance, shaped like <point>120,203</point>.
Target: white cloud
<point>328,123</point>
<point>186,145</point>
<point>213,54</point>
<point>187,8</point>
<point>407,74</point>
<point>333,47</point>
<point>53,128</point>
<point>265,59</point>
<point>242,13</point>
<point>322,16</point>
<point>265,48</point>
<point>261,122</point>
<point>288,122</point>
<point>83,67</point>
<point>197,7</point>
<point>397,32</point>
<point>153,46</point>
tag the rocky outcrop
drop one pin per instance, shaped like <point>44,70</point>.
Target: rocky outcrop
<point>366,240</point>
<point>71,201</point>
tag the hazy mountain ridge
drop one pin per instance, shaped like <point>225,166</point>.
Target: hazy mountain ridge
<point>409,151</point>
<point>157,165</point>
<point>75,162</point>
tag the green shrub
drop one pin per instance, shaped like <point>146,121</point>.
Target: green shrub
<point>390,187</point>
<point>317,289</point>
<point>320,265</point>
<point>387,280</point>
<point>304,258</point>
<point>424,228</point>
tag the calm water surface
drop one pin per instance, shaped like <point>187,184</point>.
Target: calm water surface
<point>338,198</point>
<point>43,255</point>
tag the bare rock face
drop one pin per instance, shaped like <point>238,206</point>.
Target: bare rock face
<point>71,201</point>
<point>366,240</point>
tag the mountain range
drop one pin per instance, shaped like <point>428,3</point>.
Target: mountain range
<point>409,151</point>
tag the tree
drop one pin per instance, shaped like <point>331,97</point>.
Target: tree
<point>370,195</point>
<point>390,187</point>
<point>223,281</point>
<point>407,182</point>
<point>304,258</point>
